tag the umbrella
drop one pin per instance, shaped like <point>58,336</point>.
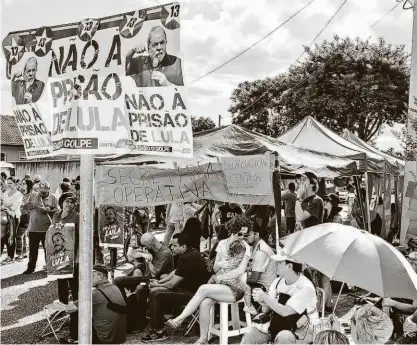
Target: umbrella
<point>354,257</point>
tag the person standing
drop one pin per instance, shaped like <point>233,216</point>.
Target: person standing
<point>160,215</point>
<point>21,236</point>
<point>289,197</point>
<point>332,209</point>
<point>12,201</point>
<point>174,218</point>
<point>309,206</point>
<point>42,205</point>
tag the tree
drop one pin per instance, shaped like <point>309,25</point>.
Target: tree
<point>343,83</point>
<point>201,124</point>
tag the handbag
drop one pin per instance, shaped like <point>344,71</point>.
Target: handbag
<point>280,323</point>
<point>117,308</point>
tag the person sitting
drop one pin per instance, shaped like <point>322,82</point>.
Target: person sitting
<point>410,330</point>
<point>292,299</point>
<point>236,252</point>
<point>161,264</point>
<point>371,326</point>
<point>158,263</point>
<point>331,337</point>
<point>109,326</point>
<point>176,289</point>
<point>208,294</point>
<point>262,269</point>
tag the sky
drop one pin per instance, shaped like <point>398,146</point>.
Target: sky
<point>213,31</point>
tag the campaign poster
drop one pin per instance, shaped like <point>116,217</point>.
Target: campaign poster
<point>111,226</point>
<point>110,85</point>
<point>60,250</point>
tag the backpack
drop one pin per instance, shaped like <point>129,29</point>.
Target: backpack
<point>117,308</point>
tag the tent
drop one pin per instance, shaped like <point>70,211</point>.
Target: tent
<point>348,135</point>
<point>233,140</point>
<point>311,134</point>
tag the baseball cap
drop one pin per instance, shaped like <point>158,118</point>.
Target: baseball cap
<point>64,196</point>
<point>37,178</point>
<point>44,185</point>
<point>283,256</point>
<point>412,256</point>
<point>101,268</point>
<point>332,198</point>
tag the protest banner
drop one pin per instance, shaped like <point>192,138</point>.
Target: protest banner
<point>106,85</point>
<point>128,185</point>
<point>111,226</point>
<point>35,136</point>
<point>60,250</point>
<point>250,175</point>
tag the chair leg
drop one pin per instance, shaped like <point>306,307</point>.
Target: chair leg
<point>235,315</point>
<point>224,323</point>
<point>192,322</point>
<point>212,315</point>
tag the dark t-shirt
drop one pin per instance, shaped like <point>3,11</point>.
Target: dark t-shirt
<point>227,213</point>
<point>193,269</point>
<point>313,205</point>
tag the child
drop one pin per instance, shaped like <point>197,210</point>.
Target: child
<point>235,255</point>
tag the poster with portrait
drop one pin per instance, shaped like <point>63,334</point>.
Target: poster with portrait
<point>60,250</point>
<point>109,85</point>
<point>111,226</point>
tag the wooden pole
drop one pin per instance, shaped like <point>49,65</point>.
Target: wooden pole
<point>276,186</point>
<point>368,211</point>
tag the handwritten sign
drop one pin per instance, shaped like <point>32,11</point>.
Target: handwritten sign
<point>248,175</point>
<point>127,185</point>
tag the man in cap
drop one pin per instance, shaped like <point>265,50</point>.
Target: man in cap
<point>309,206</point>
<point>292,298</point>
<point>42,206</point>
<point>109,325</point>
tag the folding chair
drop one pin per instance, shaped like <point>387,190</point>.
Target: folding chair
<point>194,319</point>
<point>56,317</point>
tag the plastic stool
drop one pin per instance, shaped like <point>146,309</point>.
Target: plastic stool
<point>222,329</point>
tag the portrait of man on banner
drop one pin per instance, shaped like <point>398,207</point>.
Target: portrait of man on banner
<point>154,66</point>
<point>26,88</point>
<point>60,247</point>
<point>111,226</point>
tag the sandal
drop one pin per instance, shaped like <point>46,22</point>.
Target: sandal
<point>172,324</point>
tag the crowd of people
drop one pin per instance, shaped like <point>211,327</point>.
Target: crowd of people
<point>174,275</point>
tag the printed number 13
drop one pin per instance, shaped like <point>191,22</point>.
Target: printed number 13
<point>175,11</point>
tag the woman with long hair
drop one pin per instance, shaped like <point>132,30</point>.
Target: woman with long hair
<point>12,200</point>
<point>208,294</point>
<point>21,233</point>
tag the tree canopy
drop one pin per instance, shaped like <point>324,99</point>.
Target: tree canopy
<point>201,124</point>
<point>344,83</point>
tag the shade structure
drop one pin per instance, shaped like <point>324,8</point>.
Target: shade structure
<point>311,134</point>
<point>234,140</point>
<point>355,257</point>
<point>6,165</point>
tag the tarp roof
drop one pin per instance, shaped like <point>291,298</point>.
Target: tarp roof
<point>348,135</point>
<point>311,134</point>
<point>234,140</point>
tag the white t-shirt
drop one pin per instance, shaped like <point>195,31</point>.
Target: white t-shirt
<point>175,213</point>
<point>223,249</point>
<point>303,295</point>
<point>262,262</point>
